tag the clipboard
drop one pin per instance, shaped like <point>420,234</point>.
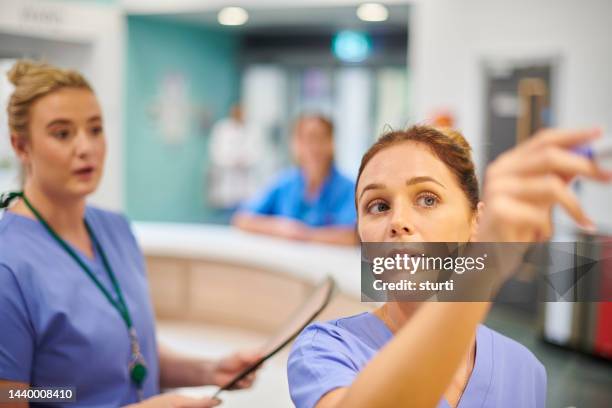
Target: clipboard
<point>316,302</point>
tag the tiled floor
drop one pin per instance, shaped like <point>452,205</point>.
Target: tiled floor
<point>574,380</point>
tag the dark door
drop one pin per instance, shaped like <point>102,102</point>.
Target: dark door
<point>518,103</point>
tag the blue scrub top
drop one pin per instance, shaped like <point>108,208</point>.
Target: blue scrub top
<point>329,355</point>
<point>57,327</point>
<point>285,197</point>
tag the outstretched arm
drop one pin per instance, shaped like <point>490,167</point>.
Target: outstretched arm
<point>284,227</point>
<point>521,187</point>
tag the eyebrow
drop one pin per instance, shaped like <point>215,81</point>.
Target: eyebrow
<point>67,121</point>
<point>423,179</point>
<point>58,122</point>
<point>409,182</point>
<point>372,186</point>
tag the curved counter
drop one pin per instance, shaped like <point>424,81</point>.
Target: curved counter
<point>222,275</point>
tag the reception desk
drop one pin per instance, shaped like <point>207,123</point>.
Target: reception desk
<point>220,275</point>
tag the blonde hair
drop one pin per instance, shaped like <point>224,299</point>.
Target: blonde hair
<point>33,80</point>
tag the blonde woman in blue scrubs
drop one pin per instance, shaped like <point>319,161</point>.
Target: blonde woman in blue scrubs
<point>419,185</point>
<point>74,303</point>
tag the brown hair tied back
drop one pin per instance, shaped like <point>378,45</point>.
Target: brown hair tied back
<point>447,144</point>
<point>321,118</point>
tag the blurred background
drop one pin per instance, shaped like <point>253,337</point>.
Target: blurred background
<point>199,98</point>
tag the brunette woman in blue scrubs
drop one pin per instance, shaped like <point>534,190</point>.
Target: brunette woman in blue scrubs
<point>74,303</point>
<point>311,202</point>
<point>419,185</point>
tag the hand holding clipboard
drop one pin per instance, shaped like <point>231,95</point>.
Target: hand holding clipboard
<point>306,313</point>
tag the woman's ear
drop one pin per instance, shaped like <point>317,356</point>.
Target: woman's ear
<point>476,217</point>
<point>20,146</point>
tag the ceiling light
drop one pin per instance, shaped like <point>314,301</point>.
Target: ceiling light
<point>372,12</point>
<point>232,16</point>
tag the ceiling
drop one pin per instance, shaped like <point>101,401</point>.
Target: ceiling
<point>300,19</point>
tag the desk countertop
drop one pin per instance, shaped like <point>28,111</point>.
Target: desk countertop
<point>308,261</point>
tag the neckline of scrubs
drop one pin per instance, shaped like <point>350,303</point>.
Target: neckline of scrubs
<point>328,180</point>
<point>478,385</point>
<point>92,262</point>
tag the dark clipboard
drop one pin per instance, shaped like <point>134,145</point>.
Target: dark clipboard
<point>316,302</point>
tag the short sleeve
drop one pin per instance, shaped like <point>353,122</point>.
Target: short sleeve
<point>344,213</point>
<point>17,339</point>
<point>318,363</point>
<point>347,215</point>
<point>264,202</point>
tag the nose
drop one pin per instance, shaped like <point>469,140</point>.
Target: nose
<point>401,226</point>
<point>84,144</point>
<point>398,230</point>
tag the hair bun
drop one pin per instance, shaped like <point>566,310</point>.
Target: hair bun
<point>33,80</point>
<point>22,69</point>
<point>456,136</point>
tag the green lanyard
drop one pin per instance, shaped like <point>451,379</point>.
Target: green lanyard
<point>137,366</point>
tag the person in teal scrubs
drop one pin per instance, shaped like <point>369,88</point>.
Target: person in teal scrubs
<point>74,304</point>
<point>312,202</point>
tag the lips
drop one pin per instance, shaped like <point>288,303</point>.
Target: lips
<point>410,249</point>
<point>85,171</point>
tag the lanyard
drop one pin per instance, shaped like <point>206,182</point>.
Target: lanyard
<point>137,366</point>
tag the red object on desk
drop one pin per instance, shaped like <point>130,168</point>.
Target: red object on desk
<point>603,336</point>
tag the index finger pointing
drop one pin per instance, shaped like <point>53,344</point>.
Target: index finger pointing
<point>565,137</point>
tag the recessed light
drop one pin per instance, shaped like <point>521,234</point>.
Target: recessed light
<point>232,16</point>
<point>372,12</point>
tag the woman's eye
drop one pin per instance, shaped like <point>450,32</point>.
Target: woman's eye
<point>97,130</point>
<point>377,207</point>
<point>61,134</point>
<point>427,200</point>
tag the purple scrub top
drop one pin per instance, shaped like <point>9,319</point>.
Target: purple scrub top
<point>329,355</point>
<point>56,327</point>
